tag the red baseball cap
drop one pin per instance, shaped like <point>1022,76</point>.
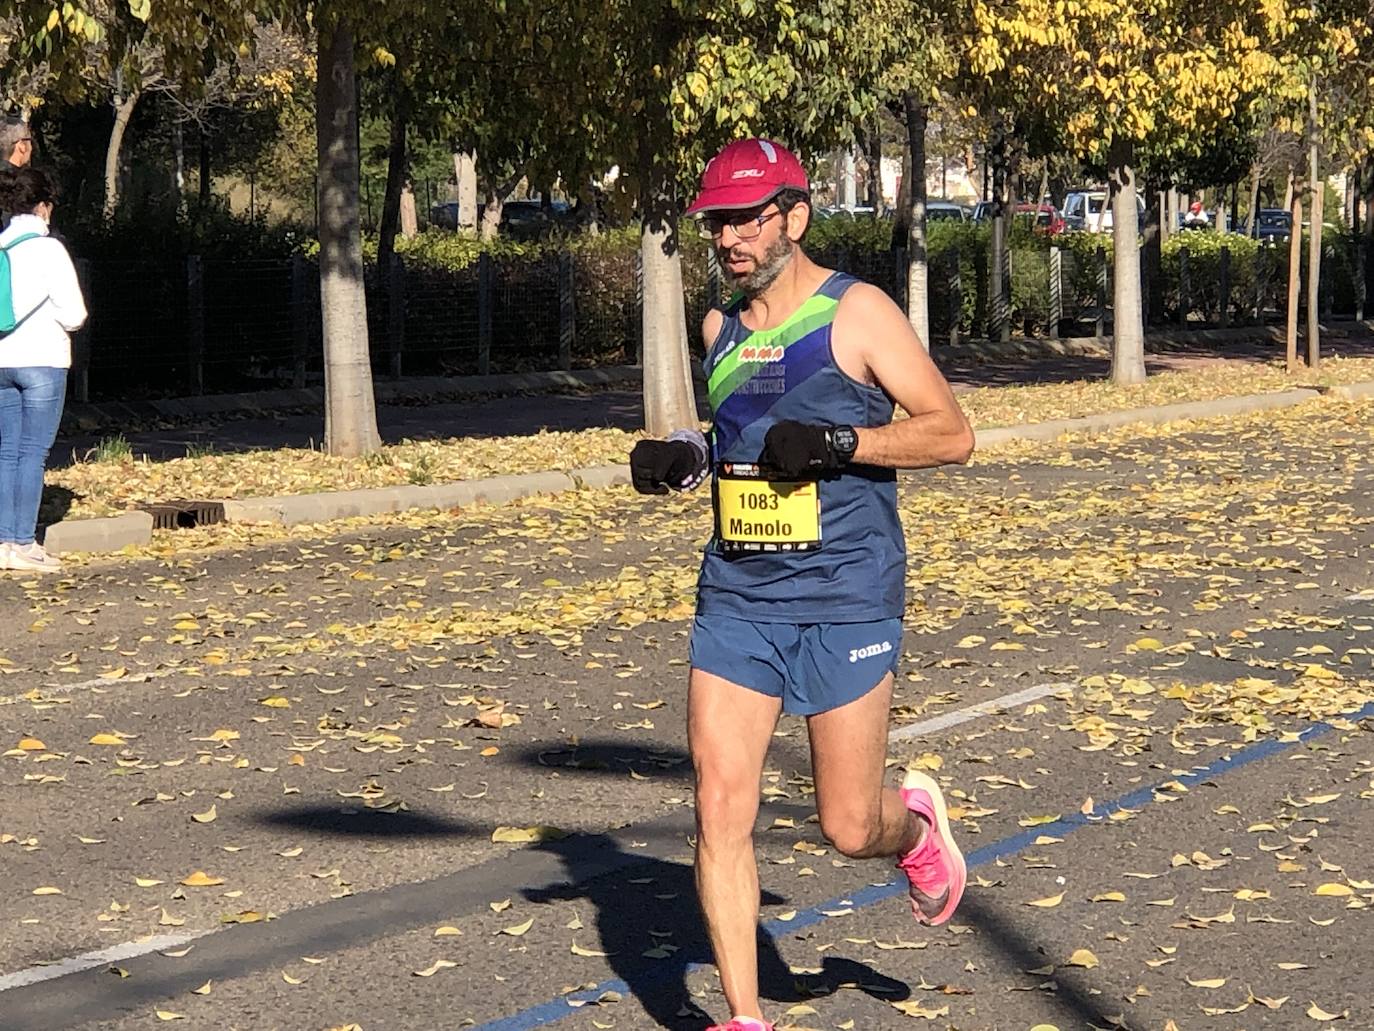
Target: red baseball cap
<point>747,174</point>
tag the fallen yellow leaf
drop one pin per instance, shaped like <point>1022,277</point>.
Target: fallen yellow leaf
<point>200,879</point>
<point>435,967</point>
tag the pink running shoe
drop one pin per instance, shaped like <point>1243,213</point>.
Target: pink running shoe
<point>740,1025</point>
<point>935,867</point>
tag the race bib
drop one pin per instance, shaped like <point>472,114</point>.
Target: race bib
<point>758,514</point>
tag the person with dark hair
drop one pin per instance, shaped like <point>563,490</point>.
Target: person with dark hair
<point>802,586</point>
<point>34,358</point>
<point>16,143</point>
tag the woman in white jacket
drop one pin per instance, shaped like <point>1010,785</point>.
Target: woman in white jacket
<point>34,359</point>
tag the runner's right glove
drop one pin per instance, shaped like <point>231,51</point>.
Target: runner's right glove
<point>680,462</point>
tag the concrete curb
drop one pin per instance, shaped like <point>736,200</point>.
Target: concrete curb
<point>1352,391</point>
<point>107,534</point>
<point>1044,431</point>
<point>291,510</point>
<point>115,532</point>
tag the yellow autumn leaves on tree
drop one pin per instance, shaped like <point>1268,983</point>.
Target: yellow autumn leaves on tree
<point>1111,69</point>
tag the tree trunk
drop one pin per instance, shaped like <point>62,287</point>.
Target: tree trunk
<point>1314,236</point>
<point>875,168</point>
<point>178,163</point>
<point>395,179</point>
<point>1288,193</point>
<point>901,222</point>
<point>669,395</point>
<point>123,111</point>
<point>1314,274</point>
<point>1294,273</point>
<point>410,219</point>
<point>465,176</point>
<point>1256,170</point>
<point>350,427</point>
<point>1128,332</point>
<point>491,213</point>
<point>918,265</point>
<point>1154,253</point>
<point>999,322</point>
<point>1368,240</point>
<point>203,187</point>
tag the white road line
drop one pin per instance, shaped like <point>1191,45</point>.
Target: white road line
<point>86,685</point>
<point>90,960</point>
<point>973,712</point>
<point>161,942</point>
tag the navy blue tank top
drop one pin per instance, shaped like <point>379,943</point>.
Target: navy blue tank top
<point>757,378</point>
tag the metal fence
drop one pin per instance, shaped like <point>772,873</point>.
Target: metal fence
<point>162,328</point>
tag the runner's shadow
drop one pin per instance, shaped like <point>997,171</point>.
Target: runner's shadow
<point>648,923</point>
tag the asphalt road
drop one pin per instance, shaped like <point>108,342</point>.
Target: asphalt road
<point>1169,824</point>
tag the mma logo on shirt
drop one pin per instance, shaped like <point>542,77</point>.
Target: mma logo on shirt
<point>870,650</point>
<point>761,354</point>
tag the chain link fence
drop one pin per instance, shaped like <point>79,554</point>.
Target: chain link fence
<point>160,329</point>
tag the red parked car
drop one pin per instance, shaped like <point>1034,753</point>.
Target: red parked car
<point>1047,217</point>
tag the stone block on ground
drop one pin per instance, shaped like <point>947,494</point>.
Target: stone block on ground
<point>109,533</point>
<point>601,476</point>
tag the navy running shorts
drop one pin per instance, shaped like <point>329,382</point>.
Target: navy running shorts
<point>812,667</point>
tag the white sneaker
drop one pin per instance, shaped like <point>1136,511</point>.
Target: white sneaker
<point>31,556</point>
<point>5,554</point>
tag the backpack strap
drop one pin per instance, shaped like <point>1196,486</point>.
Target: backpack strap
<point>6,249</point>
<point>21,239</point>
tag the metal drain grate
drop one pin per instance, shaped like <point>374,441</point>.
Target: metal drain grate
<point>183,515</point>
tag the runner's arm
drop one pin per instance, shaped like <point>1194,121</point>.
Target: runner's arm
<point>868,324</point>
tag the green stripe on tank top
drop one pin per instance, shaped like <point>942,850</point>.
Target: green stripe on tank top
<point>731,372</point>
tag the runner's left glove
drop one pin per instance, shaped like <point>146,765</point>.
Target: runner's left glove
<point>801,449</point>
<point>680,462</point>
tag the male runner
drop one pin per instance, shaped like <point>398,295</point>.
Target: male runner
<point>800,600</point>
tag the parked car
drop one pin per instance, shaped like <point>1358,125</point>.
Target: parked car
<point>863,211</point>
<point>444,215</point>
<point>1273,224</point>
<point>982,211</point>
<point>945,211</point>
<point>1046,216</point>
<point>1089,210</point>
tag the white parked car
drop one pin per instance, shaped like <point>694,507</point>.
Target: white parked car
<point>1090,210</point>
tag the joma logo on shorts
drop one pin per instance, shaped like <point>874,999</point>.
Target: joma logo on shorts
<point>869,650</point>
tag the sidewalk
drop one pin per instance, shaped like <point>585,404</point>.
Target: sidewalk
<point>608,398</point>
<point>463,479</point>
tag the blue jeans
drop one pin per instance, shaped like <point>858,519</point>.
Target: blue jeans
<point>30,408</point>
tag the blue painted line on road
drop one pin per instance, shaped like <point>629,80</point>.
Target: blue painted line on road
<point>559,1009</point>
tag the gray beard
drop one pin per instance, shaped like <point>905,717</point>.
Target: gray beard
<point>769,267</point>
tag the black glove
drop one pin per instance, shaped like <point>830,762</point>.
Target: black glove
<point>678,462</point>
<point>798,449</point>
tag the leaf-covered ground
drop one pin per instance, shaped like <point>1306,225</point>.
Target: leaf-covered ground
<point>104,488</point>
<point>430,770</point>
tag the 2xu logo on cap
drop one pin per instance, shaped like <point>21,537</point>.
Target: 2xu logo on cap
<point>748,173</point>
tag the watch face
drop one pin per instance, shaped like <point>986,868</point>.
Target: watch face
<point>845,439</point>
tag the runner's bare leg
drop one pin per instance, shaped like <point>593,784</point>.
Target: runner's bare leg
<point>729,728</point>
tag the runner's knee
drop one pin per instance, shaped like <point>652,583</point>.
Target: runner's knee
<point>852,833</point>
<point>726,808</point>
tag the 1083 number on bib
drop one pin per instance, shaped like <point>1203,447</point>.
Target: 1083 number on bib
<point>758,514</point>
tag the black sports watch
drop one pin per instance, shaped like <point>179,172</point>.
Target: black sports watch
<point>843,442</point>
